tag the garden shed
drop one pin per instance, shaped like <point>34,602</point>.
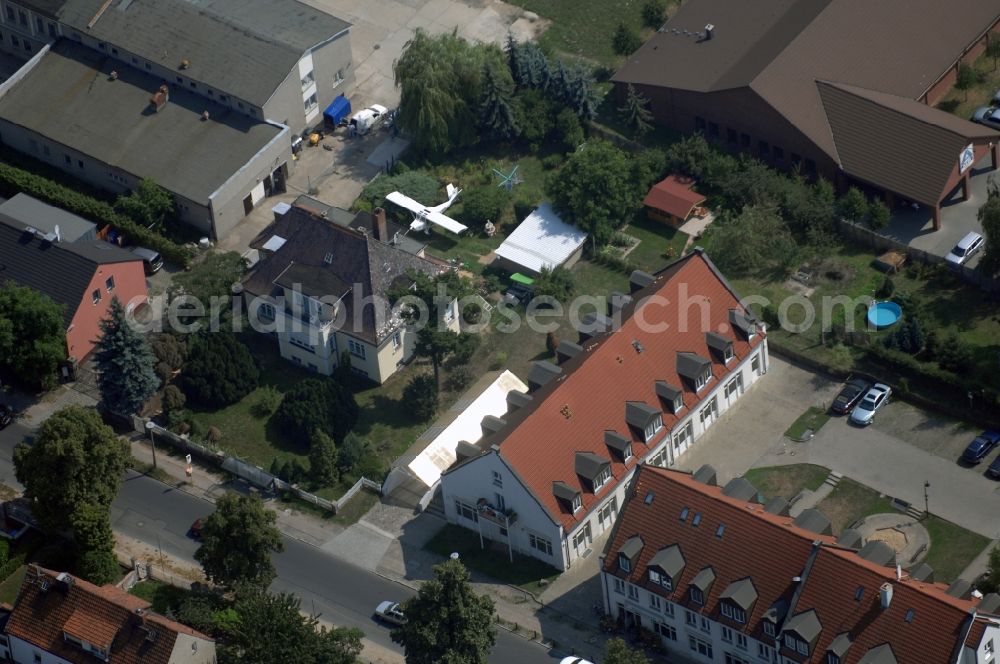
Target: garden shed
<point>542,240</point>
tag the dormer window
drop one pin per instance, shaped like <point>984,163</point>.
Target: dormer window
<point>727,354</point>
<point>721,346</point>
<point>624,563</point>
<point>602,478</point>
<point>702,380</point>
<point>643,417</point>
<point>796,644</point>
<point>733,612</point>
<point>695,369</point>
<point>670,395</point>
<point>628,554</point>
<point>577,502</point>
<point>832,658</point>
<point>567,495</point>
<point>653,428</point>
<point>679,403</point>
<point>593,469</point>
<point>697,596</point>
<point>769,628</point>
<point>661,579</point>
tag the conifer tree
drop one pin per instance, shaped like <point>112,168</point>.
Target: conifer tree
<point>125,362</point>
<point>636,111</point>
<point>495,110</point>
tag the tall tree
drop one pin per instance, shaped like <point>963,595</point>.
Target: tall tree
<point>447,623</point>
<point>32,335</point>
<point>755,240</point>
<point>125,363</point>
<point>514,58</point>
<point>272,628</point>
<point>435,343</point>
<point>149,204</point>
<point>537,73</point>
<point>323,459</point>
<point>616,651</point>
<point>966,78</point>
<point>76,460</point>
<point>95,544</point>
<point>495,110</point>
<point>626,40</point>
<point>237,541</point>
<point>421,397</point>
<point>220,369</point>
<point>559,83</point>
<point>636,111</point>
<point>580,93</point>
<point>989,219</point>
<point>595,189</point>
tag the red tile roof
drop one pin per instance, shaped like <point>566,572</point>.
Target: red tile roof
<point>574,410</point>
<point>674,196</point>
<point>770,551</point>
<point>750,536</point>
<point>103,616</point>
<point>938,622</point>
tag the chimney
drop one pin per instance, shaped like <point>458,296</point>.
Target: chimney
<point>114,75</point>
<point>185,63</point>
<point>58,235</point>
<point>885,594</point>
<point>204,116</point>
<point>381,226</point>
<point>159,98</point>
<point>709,31</point>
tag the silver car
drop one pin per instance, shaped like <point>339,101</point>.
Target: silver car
<point>965,249</point>
<point>988,116</point>
<point>391,613</point>
<point>864,413</point>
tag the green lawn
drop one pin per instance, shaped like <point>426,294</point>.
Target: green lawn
<point>163,597</point>
<point>814,418</point>
<point>356,508</point>
<point>658,243</point>
<point>10,586</point>
<point>786,481</point>
<point>584,28</point>
<point>852,501</point>
<point>952,548</point>
<point>492,561</point>
<point>964,103</point>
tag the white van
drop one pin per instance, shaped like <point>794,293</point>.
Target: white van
<point>965,249</point>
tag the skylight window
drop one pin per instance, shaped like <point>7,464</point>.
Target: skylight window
<point>649,498</point>
<point>696,521</point>
<point>720,530</point>
<point>859,593</point>
<point>684,514</point>
<point>909,615</point>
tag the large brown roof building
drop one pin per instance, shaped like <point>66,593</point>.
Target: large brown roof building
<point>736,582</point>
<point>839,88</point>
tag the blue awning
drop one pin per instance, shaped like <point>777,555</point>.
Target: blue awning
<point>339,109</point>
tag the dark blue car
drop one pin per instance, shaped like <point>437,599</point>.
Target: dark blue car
<point>982,445</point>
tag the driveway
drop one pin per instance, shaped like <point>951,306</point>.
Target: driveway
<point>903,448</point>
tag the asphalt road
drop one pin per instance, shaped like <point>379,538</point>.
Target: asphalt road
<point>337,591</point>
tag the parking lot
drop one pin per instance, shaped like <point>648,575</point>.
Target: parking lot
<point>904,448</point>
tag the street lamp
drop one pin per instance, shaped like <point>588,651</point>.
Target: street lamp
<point>149,427</point>
<point>927,509</point>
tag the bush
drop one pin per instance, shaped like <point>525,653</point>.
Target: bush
<point>169,349</point>
<point>415,184</point>
<point>552,161</point>
<point>458,379</point>
<point>887,288</point>
<point>482,204</point>
<point>99,567</point>
<point>14,180</point>
<point>4,551</point>
<point>955,355</point>
<point>570,131</point>
<point>465,348</point>
<point>421,395</point>
<point>499,361</point>
<point>317,403</point>
<point>551,342</point>
<point>220,370</point>
<point>626,41</point>
<point>173,399</point>
<point>652,13</point>
<point>267,400</point>
<point>878,214</point>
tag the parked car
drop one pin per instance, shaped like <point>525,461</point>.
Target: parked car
<point>6,415</point>
<point>369,119</point>
<point>195,529</point>
<point>864,413</point>
<point>981,446</point>
<point>849,396</point>
<point>994,469</point>
<point>988,116</point>
<point>574,660</point>
<point>966,248</point>
<point>390,612</point>
<point>151,260</point>
<point>517,295</point>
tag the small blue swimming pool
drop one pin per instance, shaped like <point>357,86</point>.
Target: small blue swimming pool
<point>884,314</point>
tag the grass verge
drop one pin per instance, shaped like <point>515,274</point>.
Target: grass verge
<point>952,548</point>
<point>355,508</point>
<point>163,597</point>
<point>525,572</point>
<point>852,501</point>
<point>813,419</point>
<point>786,481</point>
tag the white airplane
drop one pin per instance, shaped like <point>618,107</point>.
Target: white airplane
<point>423,214</point>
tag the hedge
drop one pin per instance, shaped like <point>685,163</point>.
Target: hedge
<point>14,180</point>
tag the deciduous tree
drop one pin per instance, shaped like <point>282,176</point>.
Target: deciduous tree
<point>421,397</point>
<point>853,205</point>
<point>989,219</point>
<point>556,283</point>
<point>323,459</point>
<point>237,541</point>
<point>616,651</point>
<point>149,204</point>
<point>447,622</point>
<point>219,371</point>
<point>75,460</point>
<point>32,334</point>
<point>124,363</point>
<point>95,544</point>
<point>878,214</point>
<point>966,78</point>
<point>752,242</point>
<point>594,189</point>
<point>482,204</point>
<point>652,13</point>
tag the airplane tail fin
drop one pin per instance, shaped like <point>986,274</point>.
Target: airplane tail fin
<point>453,191</point>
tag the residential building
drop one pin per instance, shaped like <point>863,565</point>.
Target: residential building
<point>643,384</point>
<point>33,213</point>
<point>724,580</point>
<point>843,89</point>
<point>61,619</point>
<point>203,96</point>
<point>323,288</point>
<point>81,276</point>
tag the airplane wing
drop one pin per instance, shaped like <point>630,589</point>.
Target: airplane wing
<point>405,202</point>
<point>446,222</point>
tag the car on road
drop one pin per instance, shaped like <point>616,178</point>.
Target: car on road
<point>574,660</point>
<point>6,415</point>
<point>853,390</point>
<point>864,413</point>
<point>988,116</point>
<point>994,469</point>
<point>981,446</point>
<point>195,529</point>
<point>966,248</point>
<point>390,612</point>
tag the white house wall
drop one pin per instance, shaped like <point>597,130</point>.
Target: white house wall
<point>474,480</point>
<point>23,652</point>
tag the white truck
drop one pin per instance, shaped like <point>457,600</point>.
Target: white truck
<point>369,119</point>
